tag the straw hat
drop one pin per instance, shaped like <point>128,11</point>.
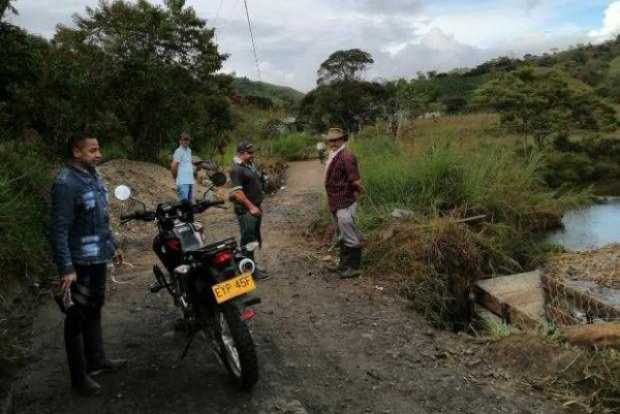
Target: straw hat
<point>334,134</point>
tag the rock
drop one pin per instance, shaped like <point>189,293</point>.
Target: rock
<point>289,407</point>
<point>402,214</point>
<point>605,335</point>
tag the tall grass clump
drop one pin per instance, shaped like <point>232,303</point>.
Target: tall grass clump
<point>444,178</point>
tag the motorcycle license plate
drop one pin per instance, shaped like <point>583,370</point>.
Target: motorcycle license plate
<point>232,288</point>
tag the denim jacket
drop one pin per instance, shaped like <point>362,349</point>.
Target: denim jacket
<point>80,227</point>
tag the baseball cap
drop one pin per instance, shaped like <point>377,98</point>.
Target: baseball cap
<point>245,147</point>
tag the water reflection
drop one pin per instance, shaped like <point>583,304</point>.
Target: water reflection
<point>590,228</point>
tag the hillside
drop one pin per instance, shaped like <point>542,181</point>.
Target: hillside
<point>584,67</point>
<point>279,95</point>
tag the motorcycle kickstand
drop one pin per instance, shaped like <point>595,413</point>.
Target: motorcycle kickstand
<point>189,343</point>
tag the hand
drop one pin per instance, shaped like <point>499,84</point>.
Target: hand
<point>68,280</point>
<point>118,258</point>
<point>255,211</point>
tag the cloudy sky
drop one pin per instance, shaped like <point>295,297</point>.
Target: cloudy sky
<point>293,37</point>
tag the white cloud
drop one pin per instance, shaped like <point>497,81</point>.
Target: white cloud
<point>611,24</point>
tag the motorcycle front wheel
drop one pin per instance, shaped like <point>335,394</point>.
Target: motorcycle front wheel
<point>236,346</point>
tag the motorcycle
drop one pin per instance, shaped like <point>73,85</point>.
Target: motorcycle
<point>210,283</point>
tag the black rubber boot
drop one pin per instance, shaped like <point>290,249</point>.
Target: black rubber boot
<point>354,263</point>
<point>82,383</point>
<point>343,259</point>
<point>95,355</point>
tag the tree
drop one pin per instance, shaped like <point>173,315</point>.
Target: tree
<point>22,57</point>
<point>157,60</point>
<point>348,104</point>
<point>5,5</point>
<point>541,103</point>
<point>344,65</point>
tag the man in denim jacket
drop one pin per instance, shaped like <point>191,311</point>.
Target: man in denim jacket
<point>83,245</point>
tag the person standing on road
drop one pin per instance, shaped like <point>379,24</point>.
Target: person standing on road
<point>247,196</point>
<point>182,169</point>
<point>83,246</point>
<point>343,186</point>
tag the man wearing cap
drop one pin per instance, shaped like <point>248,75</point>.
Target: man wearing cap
<point>343,185</point>
<point>247,196</point>
<point>182,169</point>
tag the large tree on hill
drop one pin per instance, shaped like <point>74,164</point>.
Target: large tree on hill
<point>344,65</point>
<point>341,97</point>
<point>542,104</point>
<point>155,63</point>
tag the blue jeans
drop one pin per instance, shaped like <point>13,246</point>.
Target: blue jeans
<point>185,192</point>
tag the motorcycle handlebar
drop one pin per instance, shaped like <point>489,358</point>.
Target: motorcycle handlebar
<point>145,216</point>
<point>202,206</point>
<point>151,215</point>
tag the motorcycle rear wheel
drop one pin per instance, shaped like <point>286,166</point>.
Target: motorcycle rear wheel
<point>236,346</point>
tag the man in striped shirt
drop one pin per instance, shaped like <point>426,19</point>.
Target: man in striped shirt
<point>343,185</point>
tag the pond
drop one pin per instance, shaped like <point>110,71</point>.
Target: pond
<point>590,228</point>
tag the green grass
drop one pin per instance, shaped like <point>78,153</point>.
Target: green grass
<point>614,66</point>
<point>444,178</point>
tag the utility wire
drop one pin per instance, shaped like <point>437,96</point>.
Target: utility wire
<point>247,14</point>
<point>217,16</point>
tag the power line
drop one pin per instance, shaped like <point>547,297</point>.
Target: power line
<point>247,14</point>
<point>217,16</point>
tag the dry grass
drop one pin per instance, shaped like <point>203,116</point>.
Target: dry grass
<point>600,266</point>
<point>587,381</point>
<point>438,262</point>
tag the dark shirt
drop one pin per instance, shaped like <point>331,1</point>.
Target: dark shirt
<point>246,178</point>
<point>341,174</point>
<point>80,227</point>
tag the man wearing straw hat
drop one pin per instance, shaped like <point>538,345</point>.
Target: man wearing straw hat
<point>343,185</point>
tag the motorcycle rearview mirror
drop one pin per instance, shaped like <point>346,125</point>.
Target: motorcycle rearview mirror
<point>218,179</point>
<point>122,193</point>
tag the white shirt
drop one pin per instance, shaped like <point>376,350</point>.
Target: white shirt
<point>185,172</point>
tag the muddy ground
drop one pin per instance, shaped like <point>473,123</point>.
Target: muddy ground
<point>324,345</point>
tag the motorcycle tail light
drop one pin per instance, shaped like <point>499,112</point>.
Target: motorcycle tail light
<point>222,258</point>
<point>248,314</point>
<point>173,244</point>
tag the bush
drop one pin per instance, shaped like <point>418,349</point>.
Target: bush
<point>24,184</point>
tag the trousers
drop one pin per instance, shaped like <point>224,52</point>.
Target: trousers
<point>348,232</point>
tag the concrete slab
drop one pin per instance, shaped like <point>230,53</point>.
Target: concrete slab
<point>517,299</point>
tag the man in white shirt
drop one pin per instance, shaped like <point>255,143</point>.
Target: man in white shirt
<point>183,169</point>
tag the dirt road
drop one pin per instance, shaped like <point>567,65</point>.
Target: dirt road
<point>324,345</point>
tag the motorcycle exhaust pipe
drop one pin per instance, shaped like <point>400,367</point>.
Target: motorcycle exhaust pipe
<point>247,266</point>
